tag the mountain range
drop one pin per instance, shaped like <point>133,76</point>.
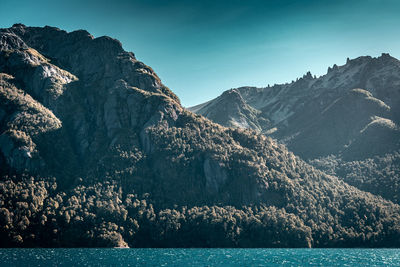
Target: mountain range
<point>96,152</point>
<point>345,122</point>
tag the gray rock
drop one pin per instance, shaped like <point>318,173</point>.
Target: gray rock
<point>317,117</point>
<point>215,175</point>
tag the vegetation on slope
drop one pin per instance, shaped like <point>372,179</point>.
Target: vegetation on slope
<point>127,165</point>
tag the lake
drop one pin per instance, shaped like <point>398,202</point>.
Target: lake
<point>199,257</point>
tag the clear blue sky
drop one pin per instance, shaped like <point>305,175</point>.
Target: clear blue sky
<point>201,48</point>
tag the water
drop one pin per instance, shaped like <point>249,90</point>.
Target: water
<point>199,257</point>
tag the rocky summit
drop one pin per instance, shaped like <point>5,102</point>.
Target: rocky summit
<point>345,122</point>
<point>96,152</point>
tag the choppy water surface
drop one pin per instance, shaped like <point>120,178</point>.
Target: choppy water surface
<point>199,257</point>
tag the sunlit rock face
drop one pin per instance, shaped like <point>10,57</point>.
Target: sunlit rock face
<point>317,117</point>
<point>96,151</point>
<point>83,89</point>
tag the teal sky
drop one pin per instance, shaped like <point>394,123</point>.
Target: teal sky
<point>202,48</point>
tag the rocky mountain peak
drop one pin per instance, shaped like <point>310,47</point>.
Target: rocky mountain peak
<point>308,75</point>
<point>92,59</point>
<point>232,95</point>
<point>288,110</point>
<point>386,55</point>
<point>65,71</point>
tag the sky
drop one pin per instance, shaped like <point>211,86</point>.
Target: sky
<point>201,48</point>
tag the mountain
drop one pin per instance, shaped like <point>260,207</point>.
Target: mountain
<point>350,116</point>
<point>96,152</point>
<point>231,110</point>
<point>337,113</point>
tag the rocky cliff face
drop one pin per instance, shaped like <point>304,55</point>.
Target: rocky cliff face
<point>96,151</point>
<point>114,91</point>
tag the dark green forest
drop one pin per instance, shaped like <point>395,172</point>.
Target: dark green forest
<point>34,213</point>
<point>379,175</point>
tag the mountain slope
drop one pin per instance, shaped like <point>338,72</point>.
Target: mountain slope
<point>231,110</point>
<point>331,103</point>
<point>96,151</point>
<point>351,114</point>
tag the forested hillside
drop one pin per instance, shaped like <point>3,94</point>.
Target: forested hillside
<point>97,152</point>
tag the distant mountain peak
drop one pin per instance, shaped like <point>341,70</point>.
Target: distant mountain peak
<point>232,94</point>
<point>287,110</point>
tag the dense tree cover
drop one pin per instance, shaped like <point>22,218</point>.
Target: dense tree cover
<point>302,208</point>
<point>379,175</point>
<point>320,201</point>
<point>34,213</point>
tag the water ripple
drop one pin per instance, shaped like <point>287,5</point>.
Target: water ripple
<point>199,257</point>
